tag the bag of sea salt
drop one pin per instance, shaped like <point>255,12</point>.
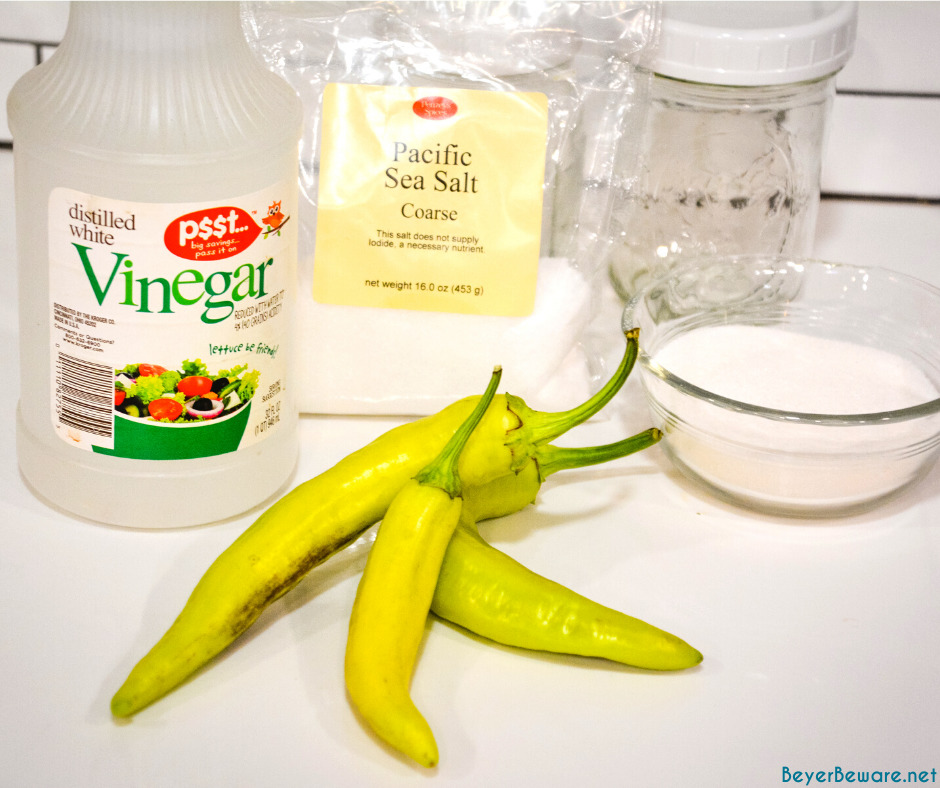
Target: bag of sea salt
<point>458,164</point>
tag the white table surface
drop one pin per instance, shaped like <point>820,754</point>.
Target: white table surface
<point>820,637</point>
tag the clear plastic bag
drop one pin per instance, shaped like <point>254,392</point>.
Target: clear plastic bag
<point>359,358</point>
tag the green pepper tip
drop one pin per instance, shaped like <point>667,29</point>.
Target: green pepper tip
<point>544,427</point>
<point>552,459</point>
<point>442,471</point>
<point>121,707</point>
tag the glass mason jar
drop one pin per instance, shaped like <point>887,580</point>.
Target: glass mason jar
<point>731,153</point>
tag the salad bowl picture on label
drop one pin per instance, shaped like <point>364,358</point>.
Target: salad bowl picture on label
<point>164,414</point>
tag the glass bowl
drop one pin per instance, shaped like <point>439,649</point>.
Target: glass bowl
<point>792,386</point>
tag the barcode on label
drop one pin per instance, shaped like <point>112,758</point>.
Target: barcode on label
<point>85,395</point>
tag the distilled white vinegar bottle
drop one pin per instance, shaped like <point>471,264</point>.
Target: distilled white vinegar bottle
<point>155,162</point>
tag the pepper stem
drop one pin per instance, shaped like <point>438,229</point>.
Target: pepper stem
<point>441,472</point>
<point>543,427</point>
<point>552,459</point>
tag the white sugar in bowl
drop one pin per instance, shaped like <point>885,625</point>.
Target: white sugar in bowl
<point>792,386</point>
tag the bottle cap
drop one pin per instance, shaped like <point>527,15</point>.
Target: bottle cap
<point>754,43</point>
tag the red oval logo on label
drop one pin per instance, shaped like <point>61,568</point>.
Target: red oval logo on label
<point>211,234</point>
<point>434,108</point>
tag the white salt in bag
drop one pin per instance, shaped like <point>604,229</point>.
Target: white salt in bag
<point>457,169</point>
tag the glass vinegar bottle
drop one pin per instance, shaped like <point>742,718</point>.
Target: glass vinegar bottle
<point>155,166</point>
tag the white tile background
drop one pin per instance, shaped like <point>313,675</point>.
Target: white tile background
<point>887,114</point>
<point>885,122</point>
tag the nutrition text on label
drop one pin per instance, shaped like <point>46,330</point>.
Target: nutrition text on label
<point>70,322</point>
<point>425,287</point>
<point>259,312</point>
<point>432,242</point>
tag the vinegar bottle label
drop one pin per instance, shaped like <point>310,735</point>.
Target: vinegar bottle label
<point>170,323</point>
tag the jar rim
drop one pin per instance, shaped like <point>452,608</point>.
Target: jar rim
<point>754,43</point>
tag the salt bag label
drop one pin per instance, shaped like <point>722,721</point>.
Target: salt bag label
<point>170,322</point>
<point>430,199</point>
